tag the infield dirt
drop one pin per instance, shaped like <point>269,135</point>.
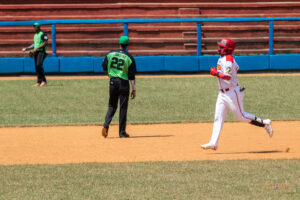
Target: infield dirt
<point>154,142</point>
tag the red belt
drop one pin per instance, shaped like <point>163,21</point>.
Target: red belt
<point>224,90</point>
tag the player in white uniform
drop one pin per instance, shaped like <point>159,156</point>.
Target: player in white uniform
<point>230,95</point>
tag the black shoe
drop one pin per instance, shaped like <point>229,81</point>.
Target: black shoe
<point>124,135</point>
<point>104,132</point>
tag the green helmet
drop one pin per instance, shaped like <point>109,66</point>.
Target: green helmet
<point>36,25</point>
<point>124,40</point>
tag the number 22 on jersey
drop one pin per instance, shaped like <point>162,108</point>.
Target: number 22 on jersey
<point>117,63</point>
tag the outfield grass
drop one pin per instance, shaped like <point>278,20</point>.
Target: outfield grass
<point>158,100</point>
<point>259,179</point>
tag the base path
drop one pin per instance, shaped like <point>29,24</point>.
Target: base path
<point>156,142</point>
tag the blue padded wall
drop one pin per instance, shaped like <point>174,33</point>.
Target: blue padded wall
<point>51,64</point>
<point>98,64</point>
<point>29,65</point>
<point>255,62</point>
<point>181,63</point>
<point>149,63</point>
<point>76,64</point>
<point>284,62</point>
<point>206,62</point>
<point>11,65</point>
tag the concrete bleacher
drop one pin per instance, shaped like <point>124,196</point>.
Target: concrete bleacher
<point>152,39</point>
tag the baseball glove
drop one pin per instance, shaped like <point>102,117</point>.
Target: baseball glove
<point>31,54</point>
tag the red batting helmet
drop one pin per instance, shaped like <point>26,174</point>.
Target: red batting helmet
<point>228,46</point>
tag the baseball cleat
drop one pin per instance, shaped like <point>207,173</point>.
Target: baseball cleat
<point>104,132</point>
<point>268,127</point>
<point>209,146</point>
<point>124,135</point>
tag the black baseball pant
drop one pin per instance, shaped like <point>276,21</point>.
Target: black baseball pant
<point>39,58</point>
<point>118,89</point>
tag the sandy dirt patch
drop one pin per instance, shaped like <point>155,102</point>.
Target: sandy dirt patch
<point>155,142</point>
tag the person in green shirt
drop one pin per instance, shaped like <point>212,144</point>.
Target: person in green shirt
<point>120,67</point>
<point>38,50</point>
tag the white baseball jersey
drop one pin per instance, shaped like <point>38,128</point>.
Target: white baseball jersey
<point>231,99</point>
<point>228,66</point>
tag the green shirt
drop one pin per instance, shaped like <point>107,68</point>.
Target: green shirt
<point>39,38</point>
<point>119,64</point>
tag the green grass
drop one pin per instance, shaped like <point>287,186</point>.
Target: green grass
<point>259,179</point>
<point>158,100</point>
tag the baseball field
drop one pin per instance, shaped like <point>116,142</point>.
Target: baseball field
<point>51,146</point>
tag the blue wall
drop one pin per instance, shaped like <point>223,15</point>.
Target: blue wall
<point>11,65</point>
<point>151,63</point>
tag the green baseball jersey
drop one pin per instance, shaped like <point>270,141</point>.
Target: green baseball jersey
<point>39,38</point>
<point>119,64</point>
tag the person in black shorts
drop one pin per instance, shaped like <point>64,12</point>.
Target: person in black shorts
<point>38,51</point>
<point>121,68</point>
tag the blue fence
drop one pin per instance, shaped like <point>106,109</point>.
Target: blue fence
<point>152,63</point>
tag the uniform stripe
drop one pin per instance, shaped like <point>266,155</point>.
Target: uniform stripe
<point>240,105</point>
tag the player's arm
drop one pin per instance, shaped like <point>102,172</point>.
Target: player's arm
<point>225,76</point>
<point>28,48</point>
<point>104,64</point>
<point>133,91</point>
<point>214,72</point>
<point>131,76</point>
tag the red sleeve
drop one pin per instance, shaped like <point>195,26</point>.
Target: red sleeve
<point>229,58</point>
<point>223,76</point>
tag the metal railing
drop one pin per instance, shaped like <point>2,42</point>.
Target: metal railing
<point>128,21</point>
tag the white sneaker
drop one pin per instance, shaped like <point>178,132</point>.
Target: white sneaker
<point>209,146</point>
<point>268,127</point>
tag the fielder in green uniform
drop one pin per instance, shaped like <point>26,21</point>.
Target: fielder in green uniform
<point>38,51</point>
<point>121,68</point>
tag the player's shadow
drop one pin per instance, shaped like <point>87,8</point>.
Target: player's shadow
<point>143,136</point>
<point>253,152</point>
<point>151,136</point>
<point>55,85</point>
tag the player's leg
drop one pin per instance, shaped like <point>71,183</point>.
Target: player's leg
<point>39,67</point>
<point>220,116</point>
<point>124,97</point>
<point>112,105</point>
<point>44,81</point>
<point>37,70</point>
<point>236,106</point>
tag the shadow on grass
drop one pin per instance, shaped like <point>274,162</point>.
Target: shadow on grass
<point>253,152</point>
<point>143,136</point>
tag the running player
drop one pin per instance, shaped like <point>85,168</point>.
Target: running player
<point>230,95</point>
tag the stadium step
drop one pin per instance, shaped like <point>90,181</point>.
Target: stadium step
<point>150,8</point>
<point>146,44</point>
<point>156,38</point>
<point>7,2</point>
